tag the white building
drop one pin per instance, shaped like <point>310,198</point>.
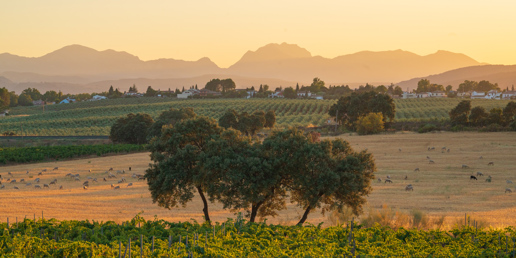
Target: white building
<point>478,95</point>
<point>98,97</point>
<point>408,95</point>
<point>493,94</point>
<point>67,101</point>
<point>422,95</point>
<point>302,94</point>
<point>277,94</point>
<point>188,93</point>
<point>509,95</point>
<point>437,94</point>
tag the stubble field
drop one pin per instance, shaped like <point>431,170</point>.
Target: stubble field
<point>442,188</point>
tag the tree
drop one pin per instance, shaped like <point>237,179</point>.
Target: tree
<point>33,93</point>
<point>486,86</point>
<point>297,87</point>
<point>467,86</point>
<point>478,116</point>
<point>177,169</point>
<point>509,111</point>
<point>265,88</point>
<point>111,91</point>
<point>244,176</point>
<point>371,123</point>
<point>150,92</point>
<point>270,119</point>
<point>25,100</point>
<point>495,116</point>
<point>381,89</point>
<point>133,89</point>
<point>448,89</point>
<point>356,105</point>
<point>317,85</point>
<point>169,118</point>
<point>14,99</point>
<point>289,93</point>
<point>131,129</point>
<point>5,99</point>
<point>331,176</point>
<point>459,114</point>
<point>229,119</point>
<point>398,91</point>
<point>52,96</point>
<point>225,85</point>
<point>261,89</point>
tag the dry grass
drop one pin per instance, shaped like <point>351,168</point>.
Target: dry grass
<point>440,189</point>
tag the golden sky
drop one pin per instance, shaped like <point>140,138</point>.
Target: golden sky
<point>225,30</point>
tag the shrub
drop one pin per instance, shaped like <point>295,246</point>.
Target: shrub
<point>493,128</point>
<point>371,123</point>
<point>428,128</point>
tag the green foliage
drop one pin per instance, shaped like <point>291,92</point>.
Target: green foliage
<point>371,123</point>
<point>290,93</point>
<point>33,93</point>
<point>478,116</point>
<point>482,86</point>
<point>495,116</point>
<point>25,100</point>
<point>167,118</point>
<point>131,129</point>
<point>177,171</point>
<point>13,99</point>
<point>424,86</point>
<point>428,128</point>
<point>52,96</point>
<point>238,238</point>
<point>5,99</point>
<point>225,85</point>
<point>150,92</point>
<point>357,105</point>
<point>45,153</point>
<point>270,119</point>
<point>245,123</point>
<point>459,114</point>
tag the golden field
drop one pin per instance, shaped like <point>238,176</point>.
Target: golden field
<point>442,188</point>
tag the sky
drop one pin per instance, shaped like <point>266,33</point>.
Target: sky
<point>224,30</point>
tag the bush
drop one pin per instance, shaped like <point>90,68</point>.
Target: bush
<point>371,123</point>
<point>428,128</point>
<point>493,128</point>
<point>131,129</point>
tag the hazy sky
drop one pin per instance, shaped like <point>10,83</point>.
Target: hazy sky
<point>225,30</point>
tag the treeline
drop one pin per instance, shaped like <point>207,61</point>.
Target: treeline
<point>496,118</point>
<point>44,153</point>
<point>197,156</point>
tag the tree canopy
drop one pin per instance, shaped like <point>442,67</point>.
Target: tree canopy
<point>249,124</point>
<point>167,118</point>
<point>5,99</point>
<point>459,115</point>
<point>131,129</point>
<point>225,85</point>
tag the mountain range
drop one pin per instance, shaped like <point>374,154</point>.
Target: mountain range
<point>76,68</point>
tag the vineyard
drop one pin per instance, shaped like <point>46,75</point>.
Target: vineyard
<point>96,118</point>
<point>237,238</point>
<point>42,153</point>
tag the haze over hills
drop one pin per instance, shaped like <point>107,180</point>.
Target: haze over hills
<point>504,75</point>
<point>77,68</point>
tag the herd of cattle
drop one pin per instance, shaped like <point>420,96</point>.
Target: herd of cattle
<point>38,183</point>
<point>478,174</point>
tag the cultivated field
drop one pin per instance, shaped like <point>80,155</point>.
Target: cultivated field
<point>442,188</point>
<point>96,118</point>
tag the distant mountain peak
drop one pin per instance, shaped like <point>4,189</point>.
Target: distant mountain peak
<point>274,51</point>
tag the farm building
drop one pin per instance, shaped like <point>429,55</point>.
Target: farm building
<point>509,95</point>
<point>277,94</point>
<point>302,94</point>
<point>67,101</point>
<point>206,92</point>
<point>478,95</point>
<point>408,95</point>
<point>38,102</point>
<point>97,97</point>
<point>188,93</point>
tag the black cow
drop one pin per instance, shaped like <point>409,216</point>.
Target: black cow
<point>472,177</point>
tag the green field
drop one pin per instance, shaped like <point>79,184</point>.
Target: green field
<point>96,118</point>
<point>158,238</point>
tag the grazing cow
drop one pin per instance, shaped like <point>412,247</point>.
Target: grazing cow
<point>13,181</point>
<point>120,181</point>
<point>95,180</point>
<point>86,183</point>
<point>44,170</point>
<point>89,170</point>
<point>37,186</point>
<point>140,177</point>
<point>399,150</point>
<point>130,184</point>
<point>388,181</point>
<point>90,178</point>
<point>488,179</point>
<point>416,170</point>
<point>60,187</point>
<point>77,179</point>
<point>27,172</point>
<point>16,187</point>
<point>56,168</point>
<point>10,173</point>
<point>129,168</point>
<point>69,174</point>
<point>427,157</point>
<point>116,187</point>
<point>406,177</point>
<point>40,173</point>
<point>409,188</point>
<point>110,169</point>
<point>480,157</point>
<point>379,180</point>
<point>8,179</point>
<point>448,151</point>
<point>490,163</point>
<point>465,166</point>
<point>85,187</point>
<point>508,181</point>
<point>388,177</point>
<point>36,180</point>
<point>508,190</point>
<point>431,162</point>
<point>105,179</point>
<point>480,173</point>
<point>45,185</point>
<point>22,180</point>
<point>3,186</point>
<point>28,184</point>
<point>472,177</point>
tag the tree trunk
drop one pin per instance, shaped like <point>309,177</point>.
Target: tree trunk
<point>305,216</point>
<point>205,209</point>
<point>254,211</point>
